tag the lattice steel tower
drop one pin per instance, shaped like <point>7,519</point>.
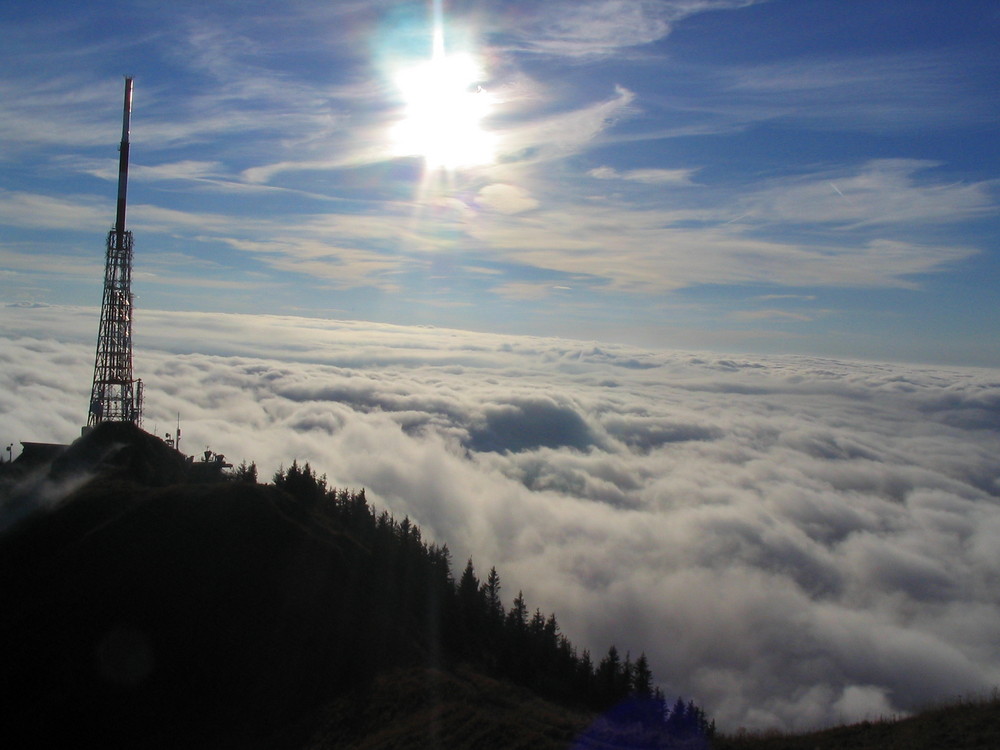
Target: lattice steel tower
<point>115,396</point>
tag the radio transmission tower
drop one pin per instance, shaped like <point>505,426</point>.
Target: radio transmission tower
<point>115,396</point>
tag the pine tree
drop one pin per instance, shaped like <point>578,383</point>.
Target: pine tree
<point>624,686</point>
<point>517,618</point>
<point>246,473</point>
<point>642,677</point>
<point>468,585</point>
<point>491,592</point>
<point>607,677</point>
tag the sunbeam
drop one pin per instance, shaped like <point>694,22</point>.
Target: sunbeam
<point>445,105</point>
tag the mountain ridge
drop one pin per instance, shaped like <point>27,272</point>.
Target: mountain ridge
<point>146,607</point>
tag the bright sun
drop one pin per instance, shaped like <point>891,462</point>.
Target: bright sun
<point>444,110</point>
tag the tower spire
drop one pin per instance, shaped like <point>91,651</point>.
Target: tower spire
<point>115,396</point>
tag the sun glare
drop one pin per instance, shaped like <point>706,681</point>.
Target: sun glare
<point>444,109</point>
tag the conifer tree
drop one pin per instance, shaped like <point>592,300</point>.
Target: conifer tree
<point>642,677</point>
<point>468,586</point>
<point>517,618</point>
<point>246,473</point>
<point>491,592</point>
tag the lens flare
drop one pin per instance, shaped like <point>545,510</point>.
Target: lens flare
<point>444,109</point>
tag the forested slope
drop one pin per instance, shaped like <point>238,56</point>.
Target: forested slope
<point>150,610</point>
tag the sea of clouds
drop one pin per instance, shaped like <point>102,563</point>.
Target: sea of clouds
<point>793,541</point>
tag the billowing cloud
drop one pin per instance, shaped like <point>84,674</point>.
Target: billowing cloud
<point>792,541</point>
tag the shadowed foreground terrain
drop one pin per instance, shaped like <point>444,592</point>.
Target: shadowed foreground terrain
<point>432,708</point>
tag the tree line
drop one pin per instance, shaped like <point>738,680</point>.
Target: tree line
<point>409,608</point>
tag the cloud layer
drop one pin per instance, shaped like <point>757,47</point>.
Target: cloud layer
<point>793,541</point>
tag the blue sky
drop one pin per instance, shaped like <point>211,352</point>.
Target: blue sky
<point>785,176</point>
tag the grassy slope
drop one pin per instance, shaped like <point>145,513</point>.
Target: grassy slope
<point>411,709</point>
<point>965,726</point>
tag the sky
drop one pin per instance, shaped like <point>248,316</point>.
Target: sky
<point>777,176</point>
<point>683,316</point>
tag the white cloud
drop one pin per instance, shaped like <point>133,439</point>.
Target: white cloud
<point>507,199</point>
<point>523,290</point>
<point>107,169</point>
<point>549,136</point>
<point>872,226</point>
<point>596,28</point>
<point>882,192</point>
<point>36,211</point>
<point>861,92</point>
<point>651,250</point>
<point>54,264</point>
<point>773,314</point>
<point>646,176</point>
<point>793,541</point>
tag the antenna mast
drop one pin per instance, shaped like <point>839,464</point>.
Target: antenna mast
<point>115,396</point>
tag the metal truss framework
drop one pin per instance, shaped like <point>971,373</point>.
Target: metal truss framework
<point>116,396</point>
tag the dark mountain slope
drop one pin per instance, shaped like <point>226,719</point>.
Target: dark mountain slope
<point>200,611</point>
<point>144,610</point>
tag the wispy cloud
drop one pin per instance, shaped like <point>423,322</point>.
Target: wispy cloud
<point>507,199</point>
<point>597,28</point>
<point>564,133</point>
<point>32,210</point>
<point>24,261</point>
<point>864,236</point>
<point>773,314</point>
<point>901,90</point>
<point>802,297</point>
<point>525,290</point>
<point>882,192</point>
<point>644,251</point>
<point>646,176</point>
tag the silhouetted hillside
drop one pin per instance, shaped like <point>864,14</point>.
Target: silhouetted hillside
<point>151,608</point>
<point>145,610</point>
<point>205,600</point>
